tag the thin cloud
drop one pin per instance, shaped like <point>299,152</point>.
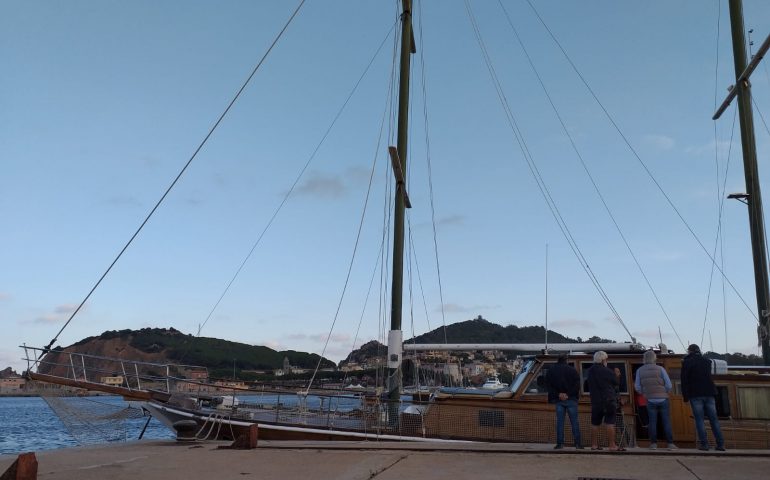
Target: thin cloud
<point>320,337</point>
<point>4,296</point>
<point>451,220</point>
<point>322,186</point>
<point>661,142</point>
<point>59,314</point>
<point>358,174</point>
<point>650,333</point>
<point>457,308</point>
<point>571,322</point>
<point>722,148</point>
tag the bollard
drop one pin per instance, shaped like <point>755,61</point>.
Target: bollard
<point>23,468</point>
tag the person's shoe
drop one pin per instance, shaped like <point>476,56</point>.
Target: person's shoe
<point>703,447</point>
<point>653,446</point>
<point>671,446</point>
<point>558,446</point>
<point>721,449</point>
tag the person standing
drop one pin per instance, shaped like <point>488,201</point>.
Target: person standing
<point>563,390</point>
<point>654,384</point>
<point>601,384</point>
<point>698,388</point>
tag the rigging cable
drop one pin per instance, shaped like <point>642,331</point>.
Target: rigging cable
<point>639,158</point>
<point>545,192</point>
<point>588,173</point>
<point>722,242</point>
<point>719,239</point>
<point>298,178</point>
<point>430,170</point>
<point>380,254</point>
<point>179,175</point>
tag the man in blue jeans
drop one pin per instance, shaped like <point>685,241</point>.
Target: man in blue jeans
<point>563,390</point>
<point>653,382</point>
<point>698,388</point>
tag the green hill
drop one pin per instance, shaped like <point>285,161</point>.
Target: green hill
<point>177,347</point>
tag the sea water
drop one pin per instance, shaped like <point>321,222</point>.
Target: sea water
<point>28,424</point>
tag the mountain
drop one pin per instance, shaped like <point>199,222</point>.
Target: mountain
<point>161,345</point>
<point>361,355</point>
<point>478,330</point>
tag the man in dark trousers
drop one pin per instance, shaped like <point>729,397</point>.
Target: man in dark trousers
<point>698,388</point>
<point>601,385</point>
<point>563,390</point>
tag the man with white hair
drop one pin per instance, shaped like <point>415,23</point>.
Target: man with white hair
<point>601,385</point>
<point>653,382</point>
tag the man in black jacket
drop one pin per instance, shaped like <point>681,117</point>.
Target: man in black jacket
<point>698,388</point>
<point>563,390</point>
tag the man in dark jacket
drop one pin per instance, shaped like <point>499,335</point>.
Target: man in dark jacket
<point>563,390</point>
<point>698,388</point>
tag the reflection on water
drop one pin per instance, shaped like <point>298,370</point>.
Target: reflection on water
<point>28,424</point>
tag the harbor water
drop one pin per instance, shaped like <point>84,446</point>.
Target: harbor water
<point>28,424</point>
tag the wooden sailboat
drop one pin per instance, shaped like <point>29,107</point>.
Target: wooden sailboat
<point>518,413</point>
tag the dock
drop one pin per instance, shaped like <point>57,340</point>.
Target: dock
<point>388,461</point>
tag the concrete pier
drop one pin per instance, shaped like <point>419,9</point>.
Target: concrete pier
<point>388,461</point>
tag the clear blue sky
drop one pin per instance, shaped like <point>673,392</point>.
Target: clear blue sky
<point>102,103</point>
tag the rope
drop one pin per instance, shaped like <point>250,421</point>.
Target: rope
<point>588,173</point>
<point>550,202</point>
<point>430,171</point>
<point>298,178</point>
<point>179,175</point>
<point>360,224</point>
<point>638,158</point>
<point>717,242</point>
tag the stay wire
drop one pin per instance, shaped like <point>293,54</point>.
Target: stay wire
<point>550,202</point>
<point>389,100</point>
<point>179,175</point>
<point>360,224</point>
<point>636,155</point>
<point>589,174</point>
<point>720,200</point>
<point>430,170</point>
<point>299,176</point>
<point>718,240</point>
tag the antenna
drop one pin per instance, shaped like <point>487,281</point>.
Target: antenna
<point>660,334</point>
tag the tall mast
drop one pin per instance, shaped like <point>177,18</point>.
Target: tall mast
<point>395,336</point>
<point>754,198</point>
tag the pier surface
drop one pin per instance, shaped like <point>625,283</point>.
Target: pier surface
<point>388,461</point>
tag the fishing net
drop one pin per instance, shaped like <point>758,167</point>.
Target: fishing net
<point>92,421</point>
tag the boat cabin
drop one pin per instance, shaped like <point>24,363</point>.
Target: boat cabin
<point>522,412</point>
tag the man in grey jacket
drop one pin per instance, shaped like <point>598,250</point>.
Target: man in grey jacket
<point>653,382</point>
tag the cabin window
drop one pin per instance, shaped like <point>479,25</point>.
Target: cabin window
<point>491,418</point>
<point>611,365</point>
<point>753,402</point>
<point>522,375</point>
<point>539,384</point>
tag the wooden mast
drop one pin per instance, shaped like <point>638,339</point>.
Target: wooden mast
<point>751,173</point>
<point>395,336</point>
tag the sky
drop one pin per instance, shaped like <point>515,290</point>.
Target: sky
<point>104,102</point>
